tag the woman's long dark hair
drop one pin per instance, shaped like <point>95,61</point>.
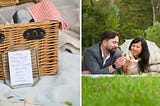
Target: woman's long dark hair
<point>144,55</point>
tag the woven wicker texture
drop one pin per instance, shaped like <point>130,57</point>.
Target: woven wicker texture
<point>47,47</point>
<point>5,3</point>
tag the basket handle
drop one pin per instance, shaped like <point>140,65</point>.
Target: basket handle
<point>21,1</point>
<point>2,37</point>
<point>34,33</point>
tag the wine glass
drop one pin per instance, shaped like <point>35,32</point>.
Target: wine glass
<point>129,55</point>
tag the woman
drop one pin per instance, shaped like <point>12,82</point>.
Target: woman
<point>139,61</point>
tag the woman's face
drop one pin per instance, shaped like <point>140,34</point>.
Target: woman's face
<point>136,49</point>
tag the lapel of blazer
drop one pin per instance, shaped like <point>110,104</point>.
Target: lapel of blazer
<point>100,58</point>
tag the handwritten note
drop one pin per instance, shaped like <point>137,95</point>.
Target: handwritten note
<point>20,67</point>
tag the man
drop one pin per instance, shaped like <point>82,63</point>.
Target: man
<point>104,57</point>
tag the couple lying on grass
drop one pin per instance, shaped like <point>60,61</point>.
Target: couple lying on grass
<point>106,58</point>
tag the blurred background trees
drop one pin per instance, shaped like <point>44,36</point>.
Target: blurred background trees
<point>96,17</point>
<point>129,17</point>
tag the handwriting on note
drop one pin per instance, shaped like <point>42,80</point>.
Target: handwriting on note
<point>20,67</point>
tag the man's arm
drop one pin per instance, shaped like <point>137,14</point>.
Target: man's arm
<point>93,66</point>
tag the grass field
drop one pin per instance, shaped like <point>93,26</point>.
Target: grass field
<point>121,91</point>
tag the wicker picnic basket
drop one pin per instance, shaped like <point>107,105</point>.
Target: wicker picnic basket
<point>47,47</point>
<point>5,3</point>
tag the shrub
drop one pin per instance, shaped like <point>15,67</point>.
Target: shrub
<point>153,33</point>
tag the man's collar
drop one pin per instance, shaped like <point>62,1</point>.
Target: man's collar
<point>108,56</point>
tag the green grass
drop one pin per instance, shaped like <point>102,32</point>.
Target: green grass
<point>121,91</point>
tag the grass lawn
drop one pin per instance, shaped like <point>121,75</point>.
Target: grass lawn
<point>121,91</point>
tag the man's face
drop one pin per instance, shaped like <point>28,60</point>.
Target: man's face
<point>111,45</point>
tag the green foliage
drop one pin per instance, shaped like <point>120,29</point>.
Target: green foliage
<point>136,12</point>
<point>153,33</point>
<point>135,17</point>
<point>113,17</point>
<point>130,17</point>
<point>121,91</point>
<point>156,4</point>
<point>96,18</point>
<point>128,32</point>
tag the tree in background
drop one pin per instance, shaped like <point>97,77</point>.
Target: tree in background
<point>128,32</point>
<point>153,33</point>
<point>135,17</point>
<point>137,13</point>
<point>131,18</point>
<point>97,16</point>
<point>155,10</point>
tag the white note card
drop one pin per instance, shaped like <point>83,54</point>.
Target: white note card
<point>20,67</point>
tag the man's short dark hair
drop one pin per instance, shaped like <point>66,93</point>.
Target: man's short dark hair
<point>109,34</point>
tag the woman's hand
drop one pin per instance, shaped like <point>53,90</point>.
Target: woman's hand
<point>129,62</point>
<point>126,66</point>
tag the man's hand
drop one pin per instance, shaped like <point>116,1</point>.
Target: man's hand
<point>120,61</point>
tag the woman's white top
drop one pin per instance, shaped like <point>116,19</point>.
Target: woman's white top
<point>134,67</point>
